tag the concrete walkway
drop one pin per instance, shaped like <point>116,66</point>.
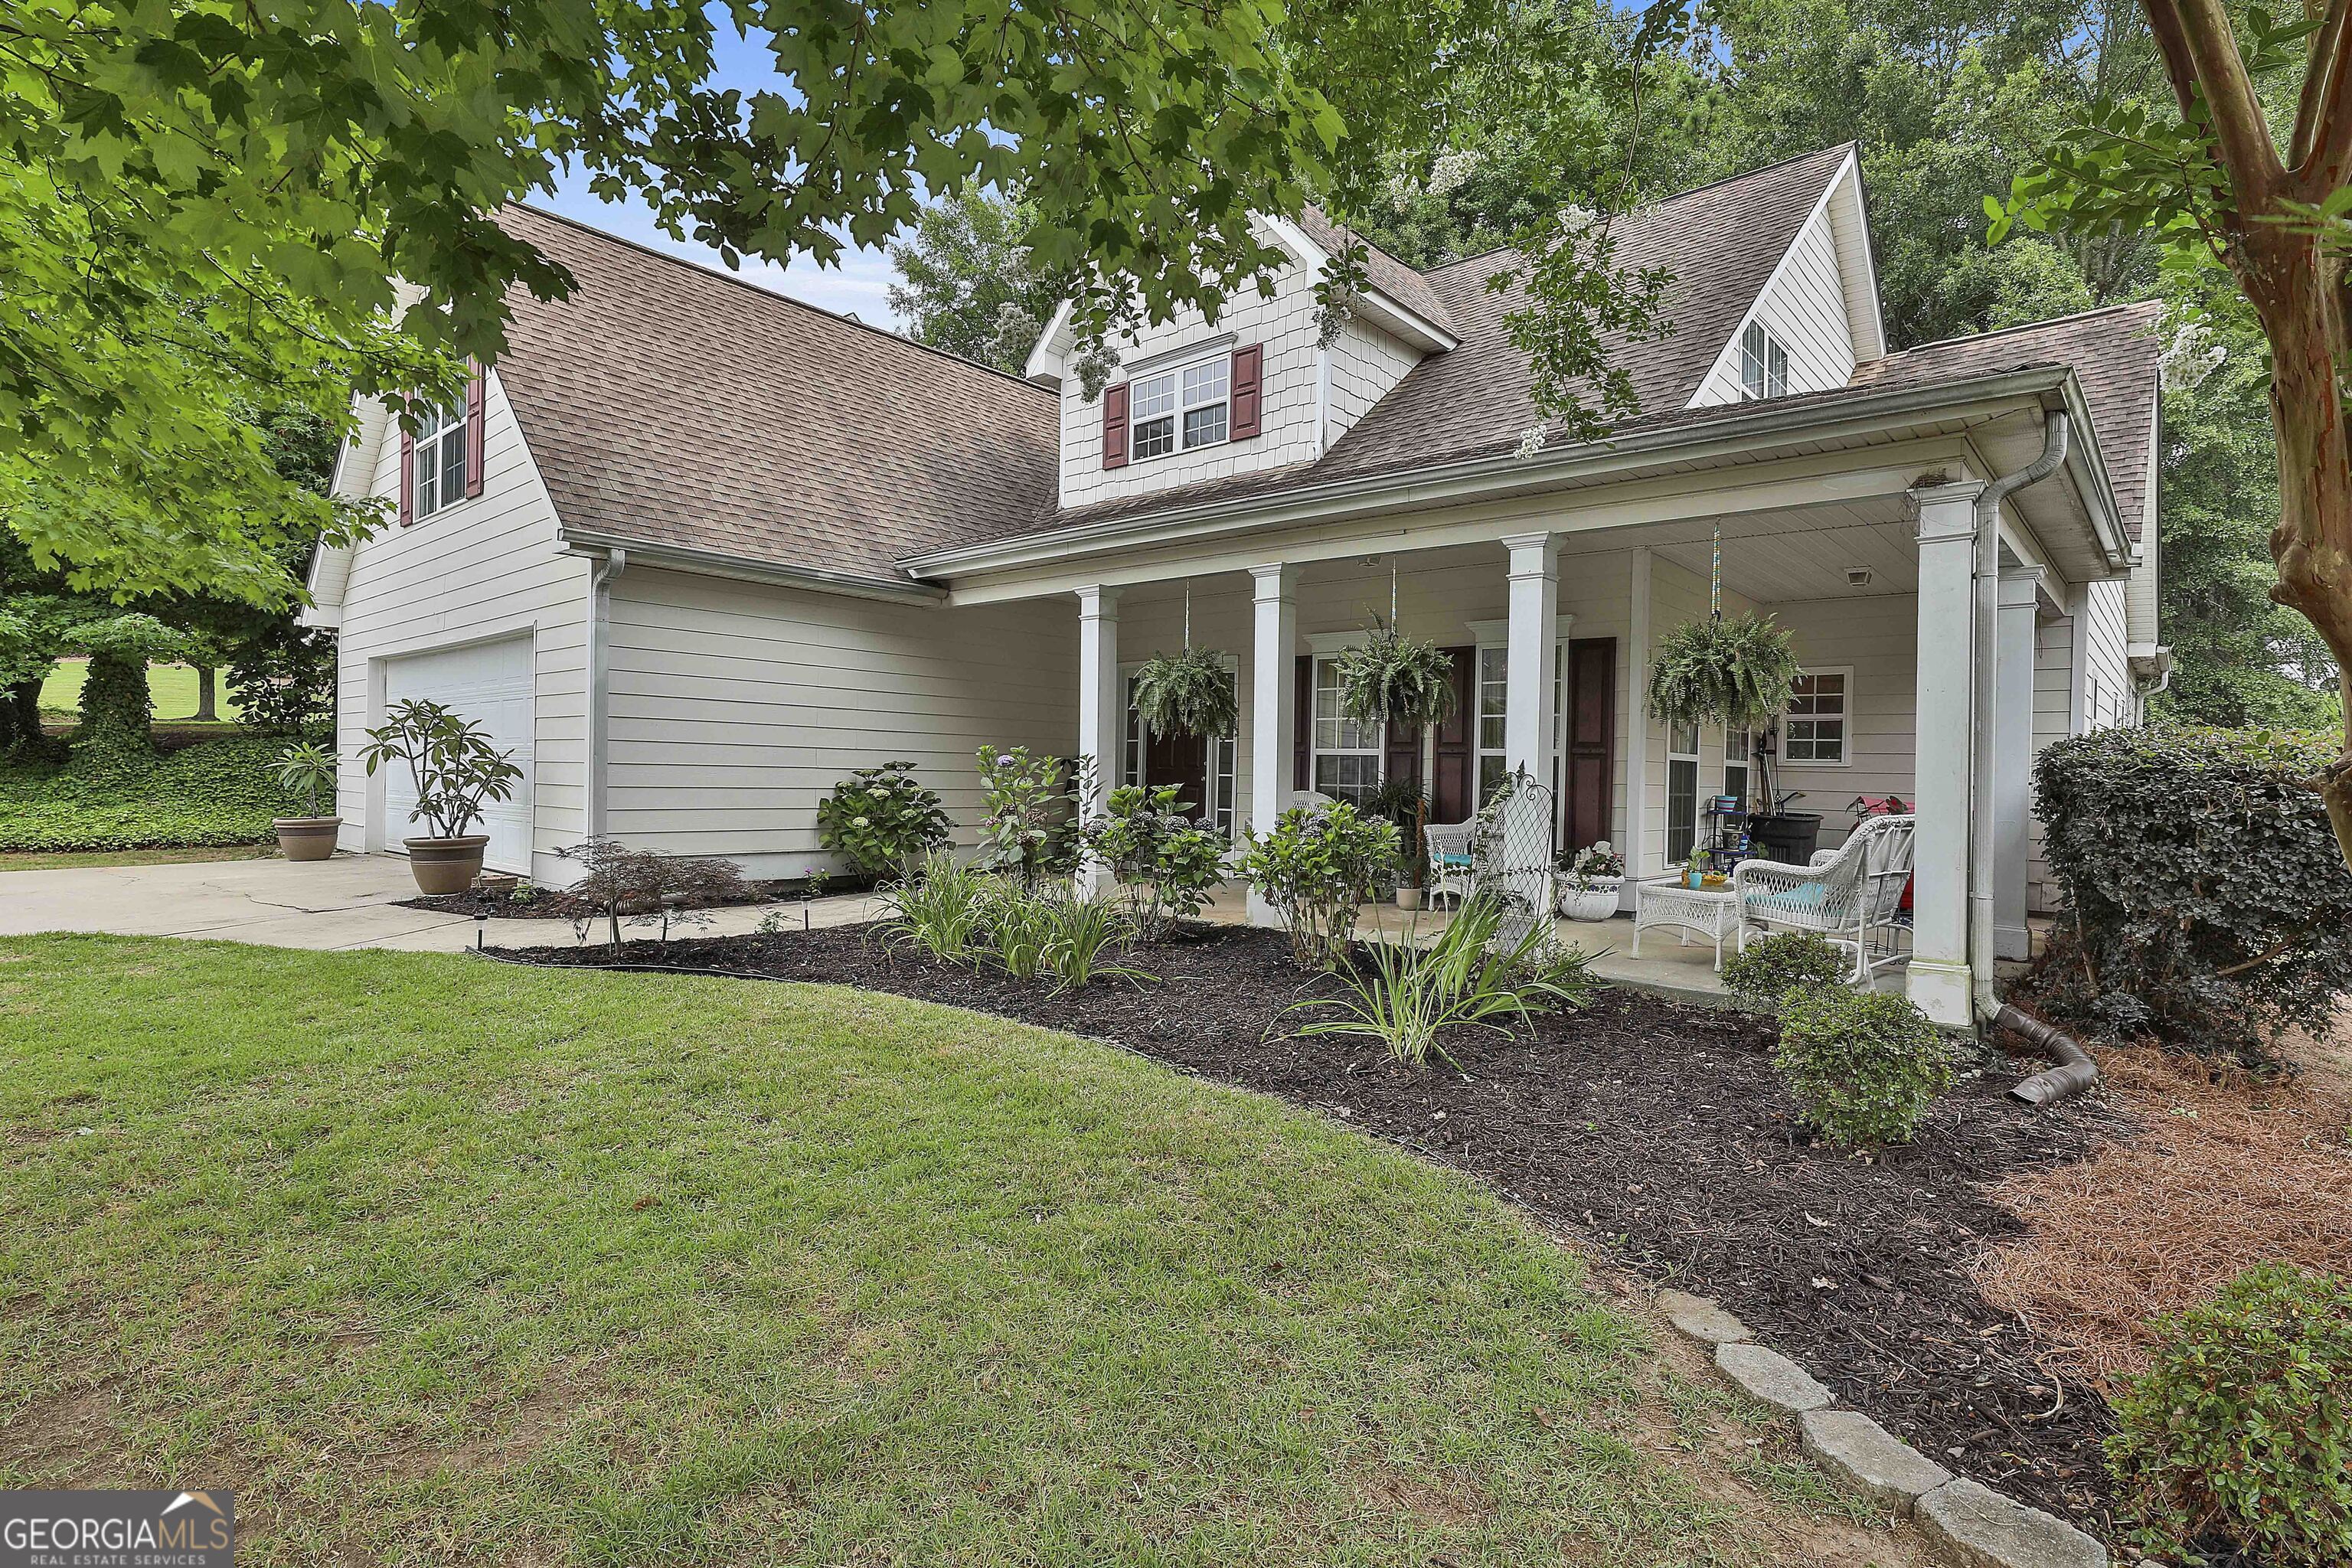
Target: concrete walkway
<point>350,902</point>
<point>353,901</point>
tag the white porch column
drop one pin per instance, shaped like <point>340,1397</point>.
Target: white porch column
<point>1274,705</point>
<point>1527,717</point>
<point>1102,707</point>
<point>1637,726</point>
<point>1939,917</point>
<point>2012,740</point>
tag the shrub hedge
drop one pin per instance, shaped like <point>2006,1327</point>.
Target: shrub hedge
<point>2211,907</point>
<point>218,793</point>
<point>2239,1436</point>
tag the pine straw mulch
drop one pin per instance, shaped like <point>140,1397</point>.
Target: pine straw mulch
<point>2226,1170</point>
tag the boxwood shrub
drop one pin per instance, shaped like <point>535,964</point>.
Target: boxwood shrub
<point>1769,969</point>
<point>2211,906</point>
<point>2239,1437</point>
<point>218,793</point>
<point>1864,1066</point>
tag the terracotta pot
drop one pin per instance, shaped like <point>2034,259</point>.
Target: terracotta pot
<point>446,865</point>
<point>307,838</point>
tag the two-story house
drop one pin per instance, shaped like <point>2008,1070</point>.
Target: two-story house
<point>696,551</point>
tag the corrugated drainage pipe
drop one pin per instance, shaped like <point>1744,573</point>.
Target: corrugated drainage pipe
<point>2075,1070</point>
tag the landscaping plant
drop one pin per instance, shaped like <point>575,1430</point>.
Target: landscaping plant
<point>307,772</point>
<point>1314,868</point>
<point>1027,813</point>
<point>1391,679</point>
<point>216,794</point>
<point>649,887</point>
<point>1017,924</point>
<point>118,711</point>
<point>2239,1437</point>
<point>941,910</point>
<point>1188,694</point>
<point>1406,995</point>
<point>456,769</point>
<point>1772,969</point>
<point>1081,934</point>
<point>1737,670</point>
<point>883,819</point>
<point>2208,906</point>
<point>1863,1065</point>
<point>1166,863</point>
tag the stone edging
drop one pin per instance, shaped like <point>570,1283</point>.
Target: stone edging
<point>1968,1524</point>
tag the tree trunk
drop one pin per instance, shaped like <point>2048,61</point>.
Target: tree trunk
<point>2299,291</point>
<point>208,687</point>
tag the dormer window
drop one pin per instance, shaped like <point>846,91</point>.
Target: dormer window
<point>1181,409</point>
<point>1763,363</point>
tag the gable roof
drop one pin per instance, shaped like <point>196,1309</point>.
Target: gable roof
<point>669,404</point>
<point>1381,270</point>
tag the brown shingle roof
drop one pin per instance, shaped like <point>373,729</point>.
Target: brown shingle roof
<point>666,403</point>
<point>1381,270</point>
<point>2113,352</point>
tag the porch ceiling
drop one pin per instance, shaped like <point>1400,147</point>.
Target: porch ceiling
<point>1799,552</point>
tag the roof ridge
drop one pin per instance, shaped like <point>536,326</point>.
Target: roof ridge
<point>1846,146</point>
<point>2118,307</point>
<point>777,297</point>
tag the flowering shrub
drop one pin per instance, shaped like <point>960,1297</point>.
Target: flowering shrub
<point>1594,863</point>
<point>1314,868</point>
<point>1166,862</point>
<point>882,819</point>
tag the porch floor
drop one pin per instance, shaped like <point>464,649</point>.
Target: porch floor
<point>1665,968</point>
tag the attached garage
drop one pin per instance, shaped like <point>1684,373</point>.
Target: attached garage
<point>491,683</point>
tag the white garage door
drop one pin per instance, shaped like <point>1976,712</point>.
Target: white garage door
<point>490,683</point>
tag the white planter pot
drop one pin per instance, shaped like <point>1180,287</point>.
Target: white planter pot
<point>1596,902</point>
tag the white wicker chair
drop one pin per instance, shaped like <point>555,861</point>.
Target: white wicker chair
<point>1850,895</point>
<point>1449,859</point>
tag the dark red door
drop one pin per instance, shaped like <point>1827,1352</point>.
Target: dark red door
<point>1182,760</point>
<point>1456,758</point>
<point>1590,743</point>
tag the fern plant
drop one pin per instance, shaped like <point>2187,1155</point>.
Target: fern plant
<point>1736,671</point>
<point>1391,679</point>
<point>1187,694</point>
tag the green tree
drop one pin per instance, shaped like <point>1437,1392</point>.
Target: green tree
<point>967,262</point>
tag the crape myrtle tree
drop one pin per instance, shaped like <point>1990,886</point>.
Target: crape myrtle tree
<point>2249,165</point>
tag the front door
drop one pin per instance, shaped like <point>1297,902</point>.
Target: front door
<point>1181,760</point>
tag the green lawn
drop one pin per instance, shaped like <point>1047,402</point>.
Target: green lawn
<point>78,859</point>
<point>433,1261</point>
<point>171,686</point>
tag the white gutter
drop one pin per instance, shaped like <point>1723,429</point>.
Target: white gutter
<point>1982,840</point>
<point>719,563</point>
<point>1507,473</point>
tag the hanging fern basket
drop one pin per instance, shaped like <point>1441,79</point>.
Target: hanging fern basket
<point>1188,694</point>
<point>1735,671</point>
<point>1391,679</point>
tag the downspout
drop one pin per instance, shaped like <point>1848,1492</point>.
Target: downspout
<point>614,562</point>
<point>2075,1071</point>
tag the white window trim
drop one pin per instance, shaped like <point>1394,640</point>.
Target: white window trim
<point>1844,761</point>
<point>1484,635</point>
<point>1697,758</point>
<point>1322,649</point>
<point>437,443</point>
<point>1771,339</point>
<point>1174,368</point>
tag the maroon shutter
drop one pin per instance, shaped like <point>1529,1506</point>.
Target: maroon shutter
<point>1302,730</point>
<point>1115,427</point>
<point>474,394</point>
<point>1591,742</point>
<point>1248,381</point>
<point>1456,758</point>
<point>407,478</point>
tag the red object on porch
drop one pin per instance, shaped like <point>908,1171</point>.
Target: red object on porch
<point>1884,806</point>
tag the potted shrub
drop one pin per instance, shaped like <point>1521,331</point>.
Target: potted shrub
<point>456,772</point>
<point>1588,891</point>
<point>1400,800</point>
<point>306,773</point>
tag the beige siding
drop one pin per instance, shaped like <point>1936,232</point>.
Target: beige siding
<point>735,707</point>
<point>2053,721</point>
<point>2108,696</point>
<point>1805,306</point>
<point>484,569</point>
<point>1877,637</point>
<point>1677,596</point>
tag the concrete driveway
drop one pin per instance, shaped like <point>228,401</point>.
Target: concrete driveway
<point>351,900</point>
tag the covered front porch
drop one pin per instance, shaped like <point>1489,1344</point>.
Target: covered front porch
<point>1551,608</point>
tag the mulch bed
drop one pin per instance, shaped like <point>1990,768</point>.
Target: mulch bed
<point>547,904</point>
<point>1660,1133</point>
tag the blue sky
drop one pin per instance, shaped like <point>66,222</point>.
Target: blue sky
<point>854,287</point>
